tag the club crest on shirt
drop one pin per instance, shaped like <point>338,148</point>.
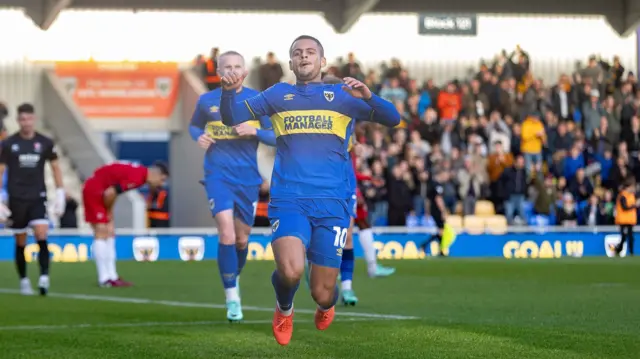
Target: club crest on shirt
<point>146,249</point>
<point>191,248</point>
<point>213,109</point>
<point>37,147</point>
<point>288,97</point>
<point>329,95</point>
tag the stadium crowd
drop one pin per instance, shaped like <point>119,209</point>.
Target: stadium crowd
<point>541,153</point>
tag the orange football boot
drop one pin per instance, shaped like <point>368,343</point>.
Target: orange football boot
<point>324,319</point>
<point>282,327</point>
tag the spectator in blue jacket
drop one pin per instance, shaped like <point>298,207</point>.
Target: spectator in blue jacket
<point>573,163</point>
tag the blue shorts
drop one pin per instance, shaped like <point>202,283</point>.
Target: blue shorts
<point>321,225</point>
<point>241,199</point>
<point>353,205</point>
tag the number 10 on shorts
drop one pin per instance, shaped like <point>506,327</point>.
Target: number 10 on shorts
<point>341,236</point>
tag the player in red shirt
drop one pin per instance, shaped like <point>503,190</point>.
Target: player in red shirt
<point>99,195</point>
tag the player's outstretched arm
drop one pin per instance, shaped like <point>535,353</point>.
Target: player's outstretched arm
<point>266,134</point>
<point>368,106</point>
<point>383,111</point>
<point>234,113</point>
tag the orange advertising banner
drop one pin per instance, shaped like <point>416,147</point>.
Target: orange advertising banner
<point>121,89</point>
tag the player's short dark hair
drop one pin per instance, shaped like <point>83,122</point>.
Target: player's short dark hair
<point>307,37</point>
<point>162,167</point>
<point>26,108</point>
<point>229,53</point>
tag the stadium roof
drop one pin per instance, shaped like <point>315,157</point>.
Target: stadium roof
<point>623,15</point>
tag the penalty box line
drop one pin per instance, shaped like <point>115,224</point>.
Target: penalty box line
<point>156,324</point>
<point>206,305</point>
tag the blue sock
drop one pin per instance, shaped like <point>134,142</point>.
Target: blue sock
<point>346,267</point>
<point>227,264</point>
<point>284,294</point>
<point>336,295</point>
<point>242,258</point>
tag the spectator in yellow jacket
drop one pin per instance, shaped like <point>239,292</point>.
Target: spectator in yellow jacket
<point>533,138</point>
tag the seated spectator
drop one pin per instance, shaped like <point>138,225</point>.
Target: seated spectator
<point>567,213</point>
<point>580,186</point>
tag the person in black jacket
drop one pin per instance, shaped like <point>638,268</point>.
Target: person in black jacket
<point>400,201</point>
<point>515,180</point>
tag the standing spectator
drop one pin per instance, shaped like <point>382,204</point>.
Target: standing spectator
<point>498,131</point>
<point>211,76</point>
<point>497,163</point>
<point>612,116</point>
<point>400,203</point>
<point>561,95</point>
<point>393,92</point>
<point>603,138</point>
<point>470,186</point>
<point>573,163</point>
<point>516,186</point>
<point>607,209</point>
<point>533,137</point>
<point>591,114</point>
<point>352,68</point>
<point>546,195</point>
<point>270,72</point>
<point>475,102</point>
<point>626,214</point>
<point>592,72</point>
<point>615,73</point>
<point>632,137</point>
<point>449,104</point>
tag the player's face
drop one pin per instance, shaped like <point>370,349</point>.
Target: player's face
<point>231,64</point>
<point>27,122</point>
<point>306,60</point>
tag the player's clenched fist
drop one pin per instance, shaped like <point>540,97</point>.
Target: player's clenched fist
<point>204,141</point>
<point>245,129</point>
<point>356,88</point>
<point>232,80</point>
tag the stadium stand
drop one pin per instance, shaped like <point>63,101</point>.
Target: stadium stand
<point>514,146</point>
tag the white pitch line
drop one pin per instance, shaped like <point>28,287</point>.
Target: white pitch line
<point>205,305</point>
<point>153,324</point>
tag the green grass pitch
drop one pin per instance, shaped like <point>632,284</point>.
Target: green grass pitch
<point>444,308</point>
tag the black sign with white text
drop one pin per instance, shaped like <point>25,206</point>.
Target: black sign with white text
<point>448,24</point>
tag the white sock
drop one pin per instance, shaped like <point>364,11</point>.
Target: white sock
<point>287,312</point>
<point>100,253</point>
<point>346,285</point>
<point>111,263</point>
<point>232,294</point>
<point>366,241</point>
